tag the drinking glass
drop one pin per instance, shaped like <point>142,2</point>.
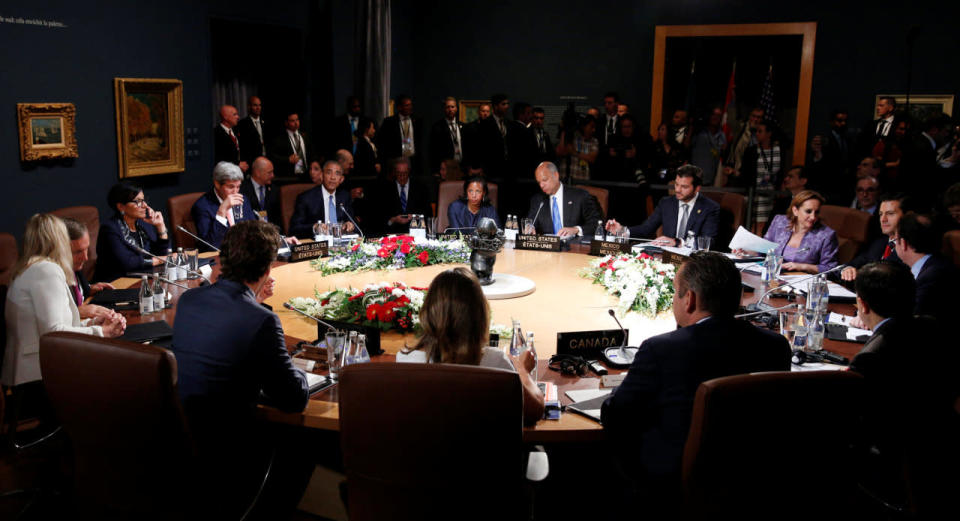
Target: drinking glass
<point>703,242</point>
<point>193,262</point>
<point>772,264</point>
<point>789,325</point>
<point>528,227</point>
<point>237,212</point>
<point>321,230</point>
<point>431,225</point>
<point>335,340</point>
<point>818,294</point>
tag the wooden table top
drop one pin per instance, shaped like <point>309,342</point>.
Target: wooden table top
<point>563,301</point>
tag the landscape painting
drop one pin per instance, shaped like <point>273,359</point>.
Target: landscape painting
<point>47,131</point>
<point>149,126</point>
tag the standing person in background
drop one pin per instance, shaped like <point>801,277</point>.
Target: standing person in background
<point>401,135</point>
<point>709,146</point>
<point>292,151</point>
<point>252,132</point>
<point>583,150</point>
<point>226,143</point>
<point>762,169</point>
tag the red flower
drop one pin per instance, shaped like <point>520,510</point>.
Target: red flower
<point>406,238</point>
<point>372,310</point>
<point>355,297</point>
<point>383,253</point>
<point>405,248</point>
<point>355,247</point>
<point>324,302</point>
<point>386,312</point>
<point>402,301</point>
<point>644,256</point>
<point>423,257</point>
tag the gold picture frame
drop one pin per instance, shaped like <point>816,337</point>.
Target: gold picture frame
<point>922,106</point>
<point>468,109</point>
<point>149,116</point>
<point>47,131</point>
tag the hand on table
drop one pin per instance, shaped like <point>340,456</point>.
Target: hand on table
<point>291,240</point>
<point>848,273</point>
<point>100,286</point>
<point>94,311</point>
<point>568,231</point>
<point>663,240</point>
<point>113,326</point>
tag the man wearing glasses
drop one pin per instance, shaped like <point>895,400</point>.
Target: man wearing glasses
<point>868,188</point>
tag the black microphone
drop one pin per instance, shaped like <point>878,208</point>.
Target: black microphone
<point>362,236</point>
<point>184,230</point>
<point>291,308</point>
<point>168,262</point>
<point>621,356</point>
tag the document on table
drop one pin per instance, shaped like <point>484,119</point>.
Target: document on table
<point>835,290</point>
<point>745,240</point>
<point>581,395</point>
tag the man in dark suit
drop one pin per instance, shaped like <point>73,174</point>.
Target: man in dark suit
<point>648,415</point>
<point>323,202</point>
<point>446,137</point>
<point>687,212</point>
<point>502,141</point>
<point>230,350</point>
<point>258,189</point>
<point>910,370</point>
<point>883,247</point>
<point>343,131</point>
<point>543,149</point>
<point>214,213</point>
<point>918,245</point>
<point>292,151</point>
<point>80,247</point>
<point>830,158</point>
<point>401,135</point>
<point>252,132</point>
<point>226,143</point>
<point>561,209</point>
<point>399,198</point>
<point>607,130</point>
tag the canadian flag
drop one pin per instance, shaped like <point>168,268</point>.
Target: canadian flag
<point>729,106</point>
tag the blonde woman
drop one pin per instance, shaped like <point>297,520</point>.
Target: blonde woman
<point>39,300</point>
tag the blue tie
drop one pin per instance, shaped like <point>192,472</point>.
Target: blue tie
<point>555,213</point>
<point>403,198</point>
<point>263,197</point>
<point>331,210</point>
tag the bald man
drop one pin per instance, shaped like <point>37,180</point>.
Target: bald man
<point>252,132</point>
<point>226,144</point>
<point>258,189</point>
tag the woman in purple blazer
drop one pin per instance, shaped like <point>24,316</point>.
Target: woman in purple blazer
<point>805,243</point>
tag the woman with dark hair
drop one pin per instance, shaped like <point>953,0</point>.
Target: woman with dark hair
<point>132,228</point>
<point>805,243</point>
<point>455,318</point>
<point>467,211</point>
<point>365,162</point>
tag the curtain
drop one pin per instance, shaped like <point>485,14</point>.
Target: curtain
<point>372,44</point>
<point>231,92</point>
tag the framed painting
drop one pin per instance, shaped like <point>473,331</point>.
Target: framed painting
<point>468,109</point>
<point>47,130</point>
<point>149,126</point>
<point>922,106</point>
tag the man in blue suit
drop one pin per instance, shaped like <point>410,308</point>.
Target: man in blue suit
<point>648,415</point>
<point>222,207</point>
<point>688,212</point>
<point>230,349</point>
<point>323,202</point>
<point>918,246</point>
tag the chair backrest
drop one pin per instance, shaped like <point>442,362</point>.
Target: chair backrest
<point>951,246</point>
<point>429,446</point>
<point>449,192</point>
<point>9,254</point>
<point>852,227</point>
<point>733,209</point>
<point>179,212</point>
<point>758,440</point>
<point>288,201</point>
<point>89,216</point>
<point>118,403</point>
<point>602,195</point>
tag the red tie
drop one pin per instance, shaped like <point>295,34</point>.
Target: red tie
<point>234,138</point>
<point>886,251</point>
<point>77,295</point>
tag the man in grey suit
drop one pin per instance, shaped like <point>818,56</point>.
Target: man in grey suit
<point>559,209</point>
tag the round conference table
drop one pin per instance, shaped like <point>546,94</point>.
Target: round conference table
<point>562,302</point>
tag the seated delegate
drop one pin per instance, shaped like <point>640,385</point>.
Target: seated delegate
<point>456,324</point>
<point>39,300</point>
<point>221,207</point>
<point>466,212</point>
<point>560,209</point>
<point>805,243</point>
<point>133,227</point>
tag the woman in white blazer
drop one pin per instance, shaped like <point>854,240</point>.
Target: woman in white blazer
<point>39,300</point>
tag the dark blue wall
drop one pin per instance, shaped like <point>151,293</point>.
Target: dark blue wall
<point>77,64</point>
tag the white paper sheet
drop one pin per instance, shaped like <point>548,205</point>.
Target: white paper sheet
<point>745,240</point>
<point>579,395</point>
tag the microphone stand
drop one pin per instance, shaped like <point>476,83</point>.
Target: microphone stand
<point>184,230</point>
<point>537,215</point>
<point>169,263</point>
<point>758,306</point>
<point>621,356</point>
<point>362,236</point>
<point>311,317</point>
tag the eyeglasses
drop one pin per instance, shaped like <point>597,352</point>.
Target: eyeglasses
<point>139,202</point>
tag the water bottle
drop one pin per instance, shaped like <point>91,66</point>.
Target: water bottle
<point>350,350</point>
<point>362,356</point>
<point>181,264</point>
<point>598,233</point>
<point>170,267</point>
<point>159,295</point>
<point>767,272</point>
<point>815,331</point>
<point>146,296</point>
<point>516,340</point>
<point>534,352</point>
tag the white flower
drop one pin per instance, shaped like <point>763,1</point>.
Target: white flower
<point>397,292</point>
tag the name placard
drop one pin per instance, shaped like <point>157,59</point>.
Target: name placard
<point>673,257</point>
<point>590,344</point>
<point>306,251</point>
<point>601,248</point>
<point>450,236</point>
<point>539,242</point>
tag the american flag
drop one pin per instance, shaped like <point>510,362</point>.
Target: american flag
<point>766,97</point>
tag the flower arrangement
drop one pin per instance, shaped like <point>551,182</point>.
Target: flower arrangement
<point>383,305</point>
<point>394,252</point>
<point>643,283</point>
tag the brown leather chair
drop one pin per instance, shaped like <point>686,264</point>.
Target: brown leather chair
<point>89,216</point>
<point>733,209</point>
<point>766,442</point>
<point>602,195</point>
<point>449,192</point>
<point>9,254</point>
<point>852,227</point>
<point>951,247</point>
<point>288,201</point>
<point>432,447</point>
<point>178,212</point>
